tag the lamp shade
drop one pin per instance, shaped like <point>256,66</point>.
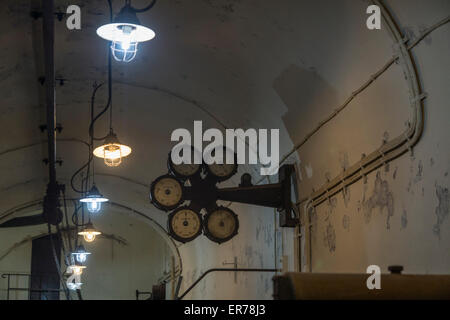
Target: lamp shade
<point>89,233</point>
<point>125,32</point>
<point>94,200</point>
<point>112,151</point>
<point>77,269</point>
<point>80,254</point>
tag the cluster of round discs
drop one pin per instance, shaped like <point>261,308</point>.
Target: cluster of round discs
<point>186,222</point>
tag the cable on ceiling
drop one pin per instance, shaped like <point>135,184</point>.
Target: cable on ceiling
<point>151,5</point>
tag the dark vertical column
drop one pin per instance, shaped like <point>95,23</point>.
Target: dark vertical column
<point>44,281</point>
<point>49,52</point>
<point>52,213</point>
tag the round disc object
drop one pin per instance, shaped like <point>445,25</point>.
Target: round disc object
<point>185,224</point>
<point>184,170</point>
<point>223,171</point>
<point>221,225</point>
<point>166,192</point>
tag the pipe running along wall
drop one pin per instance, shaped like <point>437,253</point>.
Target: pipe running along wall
<point>391,149</point>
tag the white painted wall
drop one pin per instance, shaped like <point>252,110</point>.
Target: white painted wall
<point>115,270</point>
<point>265,64</point>
<point>350,235</point>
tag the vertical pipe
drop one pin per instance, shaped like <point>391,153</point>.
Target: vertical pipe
<point>51,211</point>
<point>172,277</point>
<point>7,292</point>
<point>49,41</point>
<point>275,240</point>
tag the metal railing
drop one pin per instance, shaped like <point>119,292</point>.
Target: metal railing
<point>223,270</point>
<point>29,288</point>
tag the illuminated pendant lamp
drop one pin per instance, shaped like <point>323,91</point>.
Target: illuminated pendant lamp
<point>94,200</point>
<point>77,269</point>
<point>74,285</point>
<point>89,233</point>
<point>80,254</point>
<point>112,151</point>
<point>125,32</point>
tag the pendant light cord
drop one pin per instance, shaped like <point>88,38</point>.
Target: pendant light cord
<point>94,119</point>
<point>108,104</point>
<point>110,91</point>
<point>151,5</point>
<point>84,188</point>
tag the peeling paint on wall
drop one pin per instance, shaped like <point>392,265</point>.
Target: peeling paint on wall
<point>381,198</point>
<point>309,171</point>
<point>314,220</point>
<point>268,234</point>
<point>331,207</point>
<point>330,238</point>
<point>394,175</point>
<point>441,210</point>
<point>225,9</point>
<point>428,40</point>
<point>343,160</point>
<point>404,219</point>
<point>419,173</point>
<point>346,196</point>
<point>346,222</point>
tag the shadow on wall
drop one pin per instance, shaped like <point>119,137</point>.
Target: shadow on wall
<point>305,93</point>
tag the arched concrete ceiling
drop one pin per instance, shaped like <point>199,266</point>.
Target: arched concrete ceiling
<point>227,62</point>
<point>282,64</point>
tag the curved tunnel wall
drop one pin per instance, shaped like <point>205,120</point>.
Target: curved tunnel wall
<point>130,255</point>
<point>260,65</point>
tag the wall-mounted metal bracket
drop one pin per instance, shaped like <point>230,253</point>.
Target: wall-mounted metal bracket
<point>38,14</point>
<point>58,161</point>
<point>59,127</point>
<point>204,194</point>
<point>235,265</point>
<point>61,81</point>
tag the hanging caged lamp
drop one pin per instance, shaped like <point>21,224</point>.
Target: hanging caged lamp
<point>125,32</point>
<point>89,233</point>
<point>94,200</point>
<point>112,151</point>
<point>77,269</point>
<point>80,254</point>
<point>74,285</point>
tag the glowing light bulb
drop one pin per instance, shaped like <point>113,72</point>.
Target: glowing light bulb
<point>126,45</point>
<point>76,269</point>
<point>74,285</point>
<point>80,254</point>
<point>81,257</point>
<point>89,233</point>
<point>93,200</point>
<point>89,236</point>
<point>112,151</point>
<point>94,206</point>
<point>112,155</point>
<point>126,37</point>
